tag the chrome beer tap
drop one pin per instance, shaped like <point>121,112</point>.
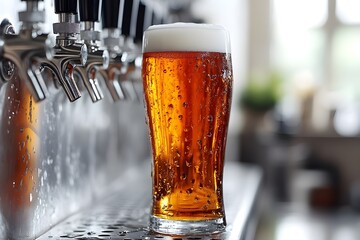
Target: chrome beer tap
<point>23,50</point>
<point>113,41</point>
<point>97,58</point>
<point>131,80</point>
<point>120,43</point>
<point>68,52</point>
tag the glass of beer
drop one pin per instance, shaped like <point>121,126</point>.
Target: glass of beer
<point>187,77</point>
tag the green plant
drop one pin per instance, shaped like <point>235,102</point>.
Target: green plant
<point>262,94</point>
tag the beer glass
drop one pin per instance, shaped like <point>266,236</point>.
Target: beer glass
<point>187,77</point>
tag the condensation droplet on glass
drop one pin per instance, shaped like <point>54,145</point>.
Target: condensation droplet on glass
<point>183,176</point>
<point>180,117</point>
<point>189,190</point>
<point>210,118</point>
<point>199,142</point>
<point>185,104</point>
<point>30,197</point>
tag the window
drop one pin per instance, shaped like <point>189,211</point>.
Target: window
<point>321,38</point>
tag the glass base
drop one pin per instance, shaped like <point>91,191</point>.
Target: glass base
<point>178,227</point>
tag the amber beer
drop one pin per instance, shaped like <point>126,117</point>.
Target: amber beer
<point>188,95</point>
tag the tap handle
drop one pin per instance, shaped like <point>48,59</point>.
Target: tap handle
<point>66,6</point>
<point>127,16</point>
<point>143,21</point>
<point>89,10</point>
<point>110,13</point>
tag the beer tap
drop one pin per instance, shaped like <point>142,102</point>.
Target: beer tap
<point>113,40</point>
<point>144,18</point>
<point>97,59</point>
<point>24,49</point>
<point>122,49</point>
<point>68,52</point>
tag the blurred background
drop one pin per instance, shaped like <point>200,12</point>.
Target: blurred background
<point>295,110</point>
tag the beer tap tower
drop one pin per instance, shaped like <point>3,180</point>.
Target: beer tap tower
<point>25,49</point>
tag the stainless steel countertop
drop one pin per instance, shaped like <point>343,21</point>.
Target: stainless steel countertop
<point>123,212</point>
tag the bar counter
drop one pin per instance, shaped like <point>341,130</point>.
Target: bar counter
<point>123,211</point>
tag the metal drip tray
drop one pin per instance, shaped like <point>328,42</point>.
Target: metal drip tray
<point>124,213</point>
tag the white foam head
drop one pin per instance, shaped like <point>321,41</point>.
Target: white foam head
<point>186,37</point>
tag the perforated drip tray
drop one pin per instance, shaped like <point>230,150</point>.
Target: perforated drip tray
<point>124,214</point>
